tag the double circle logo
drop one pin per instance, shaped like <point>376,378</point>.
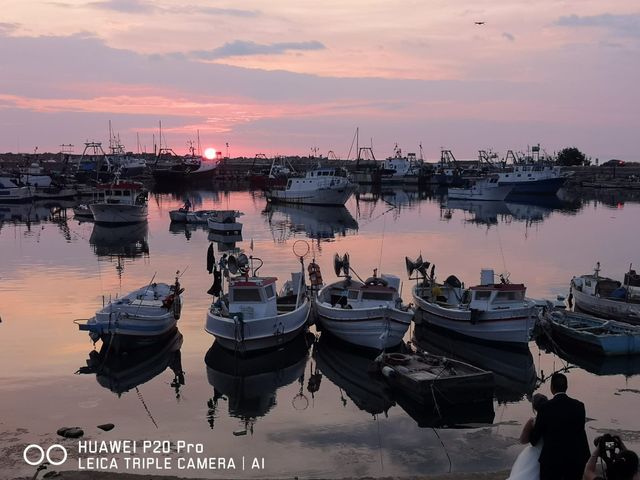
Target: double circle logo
<point>42,455</point>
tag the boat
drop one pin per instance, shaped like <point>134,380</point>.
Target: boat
<point>121,203</point>
<point>367,313</point>
<point>121,373</point>
<point>486,189</point>
<point>10,192</point>
<point>605,297</point>
<point>251,316</point>
<point>495,312</point>
<point>514,372</point>
<point>82,212</point>
<point>321,186</point>
<point>531,174</point>
<point>429,379</point>
<point>251,383</point>
<point>593,334</point>
<point>185,215</point>
<point>224,222</point>
<point>400,169</point>
<point>141,317</point>
<point>170,168</point>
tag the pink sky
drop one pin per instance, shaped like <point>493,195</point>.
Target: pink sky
<point>285,77</point>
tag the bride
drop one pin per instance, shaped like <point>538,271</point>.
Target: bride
<point>526,466</point>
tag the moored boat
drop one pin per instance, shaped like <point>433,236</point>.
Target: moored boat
<point>321,186</point>
<point>10,192</point>
<point>429,379</point>
<point>224,222</point>
<point>121,202</point>
<point>367,313</point>
<point>140,317</point>
<point>486,189</point>
<point>599,336</point>
<point>251,316</point>
<point>606,297</point>
<point>496,312</point>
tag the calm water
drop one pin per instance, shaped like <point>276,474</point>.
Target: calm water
<point>310,410</point>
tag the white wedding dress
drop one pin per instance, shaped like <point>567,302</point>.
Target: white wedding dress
<point>527,466</point>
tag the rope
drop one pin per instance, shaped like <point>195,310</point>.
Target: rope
<point>145,407</point>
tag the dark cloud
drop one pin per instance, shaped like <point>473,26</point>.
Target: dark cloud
<point>623,25</point>
<point>509,36</point>
<point>240,48</point>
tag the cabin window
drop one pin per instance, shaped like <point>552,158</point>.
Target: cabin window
<point>483,295</point>
<point>386,296</point>
<point>246,295</point>
<point>117,193</point>
<point>353,294</point>
<point>509,296</point>
<point>270,291</point>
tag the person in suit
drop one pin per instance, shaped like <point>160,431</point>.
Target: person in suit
<point>560,426</point>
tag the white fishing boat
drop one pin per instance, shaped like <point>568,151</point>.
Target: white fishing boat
<point>606,297</point>
<point>321,186</point>
<point>486,188</point>
<point>400,169</point>
<point>11,192</point>
<point>82,213</point>
<point>224,222</point>
<point>368,313</point>
<point>602,337</point>
<point>251,316</point>
<point>120,203</point>
<point>139,317</point>
<point>186,215</point>
<point>496,312</point>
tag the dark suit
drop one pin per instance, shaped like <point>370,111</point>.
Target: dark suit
<point>560,425</point>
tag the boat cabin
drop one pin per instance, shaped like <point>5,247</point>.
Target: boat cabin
<point>375,291</point>
<point>497,296</point>
<point>318,177</point>
<point>129,193</point>
<point>252,297</point>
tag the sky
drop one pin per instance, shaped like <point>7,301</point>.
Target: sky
<point>285,77</point>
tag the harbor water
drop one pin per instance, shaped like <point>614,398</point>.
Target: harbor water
<point>311,409</point>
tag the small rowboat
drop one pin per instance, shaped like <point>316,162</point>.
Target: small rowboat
<point>603,337</point>
<point>429,379</point>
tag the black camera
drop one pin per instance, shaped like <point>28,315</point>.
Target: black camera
<point>610,447</point>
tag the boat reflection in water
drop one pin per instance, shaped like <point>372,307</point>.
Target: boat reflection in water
<point>513,370</point>
<point>249,383</point>
<point>186,229</point>
<point>225,243</point>
<point>348,367</point>
<point>123,372</point>
<point>318,222</point>
<point>128,241</point>
<point>627,365</point>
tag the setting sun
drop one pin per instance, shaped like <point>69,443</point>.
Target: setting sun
<point>210,153</point>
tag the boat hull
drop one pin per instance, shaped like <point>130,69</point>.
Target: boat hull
<point>251,335</point>
<point>114,214</point>
<point>487,194</point>
<point>325,196</point>
<point>512,326</point>
<point>547,186</point>
<point>603,307</point>
<point>375,328</point>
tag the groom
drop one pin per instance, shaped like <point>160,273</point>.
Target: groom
<point>560,426</point>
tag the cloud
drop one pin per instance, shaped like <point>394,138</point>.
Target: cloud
<point>621,25</point>
<point>240,48</point>
<point>509,36</point>
<point>6,28</point>
<point>232,12</point>
<point>124,6</point>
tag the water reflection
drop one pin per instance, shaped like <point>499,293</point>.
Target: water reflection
<point>120,242</point>
<point>225,243</point>
<point>627,365</point>
<point>123,372</point>
<point>472,415</point>
<point>315,221</point>
<point>249,383</point>
<point>348,368</point>
<point>514,370</point>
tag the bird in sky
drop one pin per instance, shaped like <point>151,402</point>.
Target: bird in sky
<point>480,23</point>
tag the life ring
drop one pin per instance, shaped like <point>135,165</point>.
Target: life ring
<point>376,281</point>
<point>397,359</point>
